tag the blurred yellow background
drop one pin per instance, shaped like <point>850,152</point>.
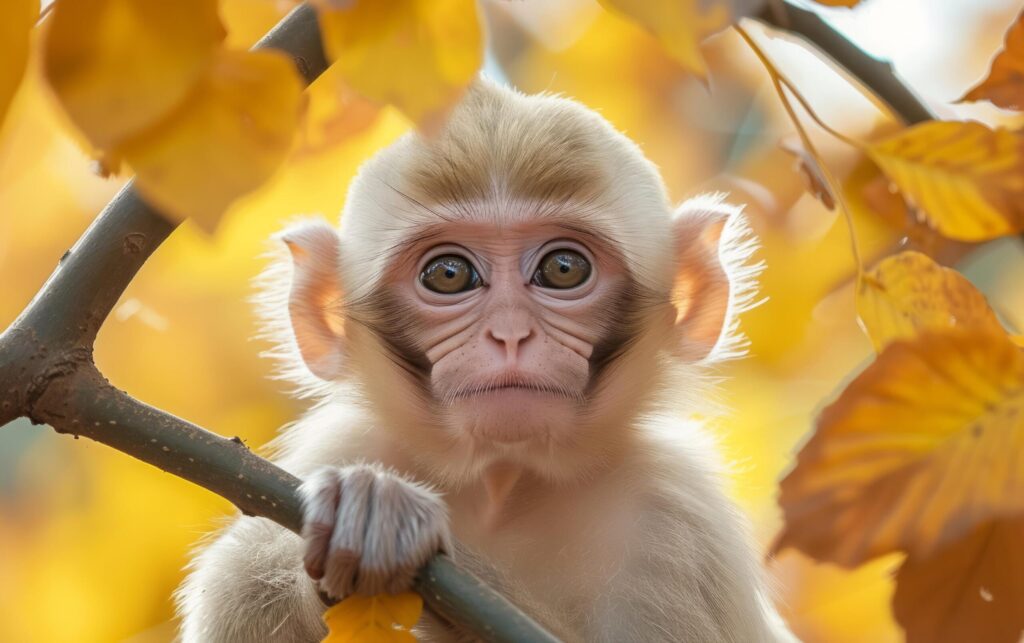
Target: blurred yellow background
<point>92,542</point>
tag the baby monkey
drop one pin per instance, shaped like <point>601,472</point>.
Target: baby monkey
<point>504,341</point>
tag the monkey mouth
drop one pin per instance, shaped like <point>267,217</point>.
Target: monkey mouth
<point>484,390</point>
<point>515,384</point>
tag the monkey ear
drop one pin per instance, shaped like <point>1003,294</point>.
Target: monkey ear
<point>701,290</point>
<point>314,301</point>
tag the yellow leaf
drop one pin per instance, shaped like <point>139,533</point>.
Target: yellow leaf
<point>921,447</point>
<point>972,590</point>
<point>225,140</point>
<point>680,25</point>
<point>966,179</point>
<point>1004,85</point>
<point>383,618</point>
<point>838,3</point>
<point>418,55</point>
<point>333,114</point>
<point>119,66</point>
<point>16,20</point>
<point>909,293</point>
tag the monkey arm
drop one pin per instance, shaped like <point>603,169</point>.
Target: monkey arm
<point>249,585</point>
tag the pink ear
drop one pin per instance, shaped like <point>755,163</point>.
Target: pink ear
<point>701,289</point>
<point>314,302</point>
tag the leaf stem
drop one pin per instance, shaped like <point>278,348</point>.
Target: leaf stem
<point>781,84</point>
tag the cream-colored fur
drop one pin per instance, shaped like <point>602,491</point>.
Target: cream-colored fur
<point>617,532</point>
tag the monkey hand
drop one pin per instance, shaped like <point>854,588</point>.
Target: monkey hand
<point>368,530</point>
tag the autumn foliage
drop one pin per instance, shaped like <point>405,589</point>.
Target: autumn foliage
<point>374,619</point>
<point>915,461</point>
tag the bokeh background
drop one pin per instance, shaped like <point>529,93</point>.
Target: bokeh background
<point>92,542</point>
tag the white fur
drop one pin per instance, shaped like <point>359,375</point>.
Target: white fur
<point>620,534</point>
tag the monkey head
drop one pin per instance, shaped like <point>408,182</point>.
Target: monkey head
<point>516,288</point>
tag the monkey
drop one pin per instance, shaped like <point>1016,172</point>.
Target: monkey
<point>505,340</point>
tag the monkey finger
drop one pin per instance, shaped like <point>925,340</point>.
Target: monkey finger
<point>341,573</point>
<point>345,547</point>
<point>370,581</point>
<point>321,494</point>
<point>392,550</point>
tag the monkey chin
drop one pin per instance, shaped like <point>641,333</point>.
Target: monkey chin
<point>513,415</point>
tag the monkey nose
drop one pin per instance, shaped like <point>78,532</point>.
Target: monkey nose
<point>509,339</point>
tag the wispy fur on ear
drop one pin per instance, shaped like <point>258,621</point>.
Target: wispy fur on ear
<point>736,245</point>
<point>272,288</point>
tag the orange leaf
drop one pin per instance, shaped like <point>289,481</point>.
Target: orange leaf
<point>119,66</point>
<point>1004,85</point>
<point>418,55</point>
<point>384,618</point>
<point>679,25</point>
<point>866,191</point>
<point>228,137</point>
<point>16,20</point>
<point>921,447</point>
<point>838,3</point>
<point>972,590</point>
<point>966,179</point>
<point>909,293</point>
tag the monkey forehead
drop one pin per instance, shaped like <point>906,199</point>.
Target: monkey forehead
<point>506,158</point>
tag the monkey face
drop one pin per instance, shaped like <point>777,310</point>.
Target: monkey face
<point>517,288</point>
<point>509,320</point>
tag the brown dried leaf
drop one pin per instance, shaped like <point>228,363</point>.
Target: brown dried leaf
<point>885,202</point>
<point>1004,84</point>
<point>814,176</point>
<point>972,590</point>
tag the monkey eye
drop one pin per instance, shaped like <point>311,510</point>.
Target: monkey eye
<point>450,274</point>
<point>562,269</point>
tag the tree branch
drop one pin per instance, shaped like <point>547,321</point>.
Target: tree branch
<point>47,374</point>
<point>877,75</point>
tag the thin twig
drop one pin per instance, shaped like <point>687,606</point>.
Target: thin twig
<point>837,189</point>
